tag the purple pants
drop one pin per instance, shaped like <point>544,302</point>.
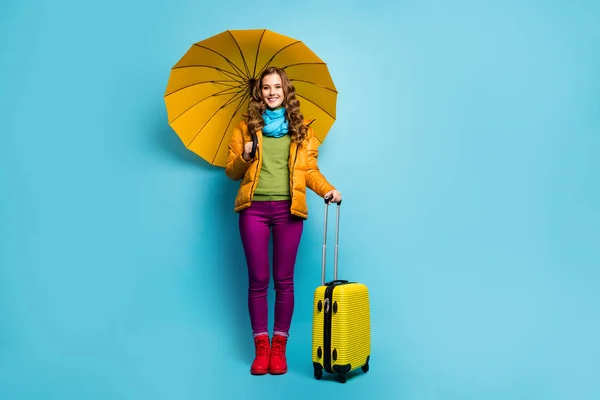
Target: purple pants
<point>256,224</point>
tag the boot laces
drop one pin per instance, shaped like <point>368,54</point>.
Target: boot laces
<point>262,348</point>
<point>278,348</point>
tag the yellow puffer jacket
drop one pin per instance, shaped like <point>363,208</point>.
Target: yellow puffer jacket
<point>304,171</point>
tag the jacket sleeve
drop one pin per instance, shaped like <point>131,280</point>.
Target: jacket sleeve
<point>315,180</point>
<point>236,165</point>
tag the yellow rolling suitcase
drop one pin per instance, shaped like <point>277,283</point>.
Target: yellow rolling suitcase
<point>341,334</point>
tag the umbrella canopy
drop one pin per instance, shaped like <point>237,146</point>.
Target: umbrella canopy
<point>209,88</point>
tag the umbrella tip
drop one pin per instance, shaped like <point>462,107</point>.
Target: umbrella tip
<point>251,83</point>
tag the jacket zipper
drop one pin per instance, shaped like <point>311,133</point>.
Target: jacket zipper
<point>254,181</point>
<point>292,174</point>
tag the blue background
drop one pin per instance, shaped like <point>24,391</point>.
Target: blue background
<point>466,148</point>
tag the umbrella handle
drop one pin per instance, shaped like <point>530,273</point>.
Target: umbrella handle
<point>254,145</point>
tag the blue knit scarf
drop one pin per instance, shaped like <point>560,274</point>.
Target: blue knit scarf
<point>276,124</point>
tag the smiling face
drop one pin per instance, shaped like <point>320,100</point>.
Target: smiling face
<point>272,90</point>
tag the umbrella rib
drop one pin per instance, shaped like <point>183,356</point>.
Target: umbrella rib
<point>275,55</point>
<point>310,101</point>
<point>315,84</point>
<point>230,90</point>
<point>215,113</point>
<point>235,67</point>
<point>230,83</point>
<point>257,52</point>
<point>308,63</point>
<point>242,54</point>
<point>234,78</point>
<point>204,82</point>
<point>244,93</point>
<point>247,95</point>
<point>198,102</point>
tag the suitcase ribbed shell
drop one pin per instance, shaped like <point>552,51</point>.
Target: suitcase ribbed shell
<point>350,326</point>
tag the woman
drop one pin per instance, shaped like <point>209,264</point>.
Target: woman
<point>272,198</point>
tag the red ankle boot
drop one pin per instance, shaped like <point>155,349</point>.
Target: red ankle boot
<point>278,364</point>
<point>260,365</point>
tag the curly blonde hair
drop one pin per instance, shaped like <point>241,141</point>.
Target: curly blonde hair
<point>257,106</point>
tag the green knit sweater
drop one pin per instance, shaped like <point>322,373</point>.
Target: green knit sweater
<point>273,182</point>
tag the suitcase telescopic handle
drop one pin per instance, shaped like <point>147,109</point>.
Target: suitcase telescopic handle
<point>337,235</point>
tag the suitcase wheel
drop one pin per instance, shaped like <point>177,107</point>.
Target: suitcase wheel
<point>365,368</point>
<point>318,371</point>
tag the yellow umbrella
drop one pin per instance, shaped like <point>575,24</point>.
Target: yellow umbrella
<point>209,88</point>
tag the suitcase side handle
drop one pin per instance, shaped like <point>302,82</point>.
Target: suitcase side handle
<point>337,234</point>
<point>336,282</point>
